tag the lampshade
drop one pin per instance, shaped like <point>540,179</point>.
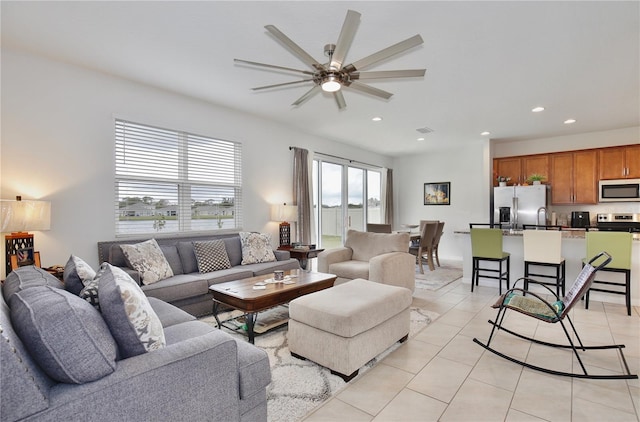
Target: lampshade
<point>284,212</point>
<point>22,216</point>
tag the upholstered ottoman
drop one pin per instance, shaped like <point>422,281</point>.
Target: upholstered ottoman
<point>344,327</point>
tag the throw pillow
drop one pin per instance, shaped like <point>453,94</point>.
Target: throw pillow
<point>26,277</point>
<point>128,313</point>
<point>65,335</point>
<point>211,256</point>
<point>76,274</point>
<point>90,290</point>
<point>147,258</point>
<point>256,247</point>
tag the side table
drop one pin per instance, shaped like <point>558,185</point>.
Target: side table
<point>302,255</point>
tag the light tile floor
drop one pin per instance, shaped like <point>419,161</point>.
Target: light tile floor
<point>441,375</point>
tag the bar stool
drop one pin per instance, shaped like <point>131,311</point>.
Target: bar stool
<point>544,248</point>
<point>618,245</point>
<point>486,245</point>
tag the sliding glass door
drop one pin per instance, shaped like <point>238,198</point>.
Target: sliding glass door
<point>342,190</point>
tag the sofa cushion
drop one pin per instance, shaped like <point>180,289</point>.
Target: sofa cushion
<point>170,252</point>
<point>25,277</point>
<point>169,315</point>
<point>65,335</point>
<point>76,273</point>
<point>131,319</point>
<point>188,257</point>
<point>256,247</point>
<point>234,250</point>
<point>178,287</point>
<point>211,256</point>
<point>147,258</point>
<point>350,269</point>
<point>366,245</point>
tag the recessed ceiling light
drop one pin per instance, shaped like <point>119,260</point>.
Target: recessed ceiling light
<point>537,109</point>
<point>569,121</point>
<point>377,119</point>
<point>420,139</point>
<point>485,133</point>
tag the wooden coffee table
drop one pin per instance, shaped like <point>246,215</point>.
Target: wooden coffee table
<point>241,295</point>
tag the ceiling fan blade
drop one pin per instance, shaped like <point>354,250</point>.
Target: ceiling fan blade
<point>313,91</point>
<point>368,89</point>
<point>345,39</point>
<point>384,53</point>
<point>409,73</point>
<point>340,99</point>
<point>306,72</point>
<point>282,84</point>
<point>295,48</point>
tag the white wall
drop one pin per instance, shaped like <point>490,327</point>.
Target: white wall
<point>468,171</point>
<point>623,136</point>
<point>57,144</point>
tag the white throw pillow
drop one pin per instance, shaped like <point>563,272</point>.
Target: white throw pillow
<point>256,247</point>
<point>147,258</point>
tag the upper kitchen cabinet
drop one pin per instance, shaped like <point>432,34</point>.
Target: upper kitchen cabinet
<point>620,162</point>
<point>520,168</point>
<point>575,177</point>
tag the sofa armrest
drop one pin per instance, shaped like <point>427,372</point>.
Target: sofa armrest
<point>195,379</point>
<point>395,268</point>
<point>331,256</point>
<point>135,275</point>
<point>282,255</point>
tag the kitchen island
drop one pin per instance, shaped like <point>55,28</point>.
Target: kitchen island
<point>573,251</point>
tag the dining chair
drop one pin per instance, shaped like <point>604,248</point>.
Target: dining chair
<point>618,245</point>
<point>486,245</point>
<point>436,242</point>
<point>543,248</point>
<point>378,228</point>
<point>424,248</point>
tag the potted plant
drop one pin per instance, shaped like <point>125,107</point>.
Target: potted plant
<point>502,180</point>
<point>535,179</point>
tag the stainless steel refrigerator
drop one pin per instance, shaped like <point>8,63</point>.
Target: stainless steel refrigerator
<point>515,206</point>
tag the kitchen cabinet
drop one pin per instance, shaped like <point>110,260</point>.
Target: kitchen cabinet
<point>620,162</point>
<point>520,168</point>
<point>575,177</point>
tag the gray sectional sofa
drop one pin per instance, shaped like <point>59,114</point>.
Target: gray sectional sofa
<point>188,289</point>
<point>201,374</point>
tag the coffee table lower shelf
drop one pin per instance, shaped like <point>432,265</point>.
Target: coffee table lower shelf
<point>241,295</point>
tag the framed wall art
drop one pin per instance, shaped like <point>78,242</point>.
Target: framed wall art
<point>438,193</point>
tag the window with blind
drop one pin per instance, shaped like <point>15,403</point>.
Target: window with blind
<point>167,181</point>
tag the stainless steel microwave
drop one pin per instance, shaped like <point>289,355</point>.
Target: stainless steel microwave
<point>619,190</point>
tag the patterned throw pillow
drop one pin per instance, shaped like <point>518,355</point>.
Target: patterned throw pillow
<point>256,247</point>
<point>76,274</point>
<point>211,256</point>
<point>128,313</point>
<point>147,258</point>
<point>90,290</point>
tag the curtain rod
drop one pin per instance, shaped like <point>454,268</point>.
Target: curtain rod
<point>345,159</point>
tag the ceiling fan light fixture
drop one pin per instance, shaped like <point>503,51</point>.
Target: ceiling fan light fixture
<point>331,84</point>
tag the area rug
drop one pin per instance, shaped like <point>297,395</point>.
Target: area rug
<point>299,386</point>
<point>448,272</point>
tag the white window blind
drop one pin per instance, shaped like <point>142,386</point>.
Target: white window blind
<point>168,181</point>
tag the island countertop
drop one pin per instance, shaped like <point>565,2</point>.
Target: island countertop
<point>567,233</point>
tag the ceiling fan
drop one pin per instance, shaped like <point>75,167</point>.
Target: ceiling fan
<point>335,75</point>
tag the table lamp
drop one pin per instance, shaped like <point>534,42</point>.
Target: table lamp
<point>284,213</point>
<point>18,217</point>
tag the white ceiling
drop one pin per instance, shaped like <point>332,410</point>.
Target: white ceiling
<point>488,63</point>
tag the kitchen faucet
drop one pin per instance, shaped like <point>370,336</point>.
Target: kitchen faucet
<point>544,223</point>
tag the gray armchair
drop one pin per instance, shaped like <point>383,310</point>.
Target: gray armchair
<point>379,257</point>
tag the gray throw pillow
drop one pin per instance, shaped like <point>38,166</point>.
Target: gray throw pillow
<point>76,273</point>
<point>211,256</point>
<point>128,313</point>
<point>147,258</point>
<point>256,247</point>
<point>65,335</point>
<point>25,277</point>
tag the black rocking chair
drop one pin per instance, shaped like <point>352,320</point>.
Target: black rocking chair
<point>533,305</point>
